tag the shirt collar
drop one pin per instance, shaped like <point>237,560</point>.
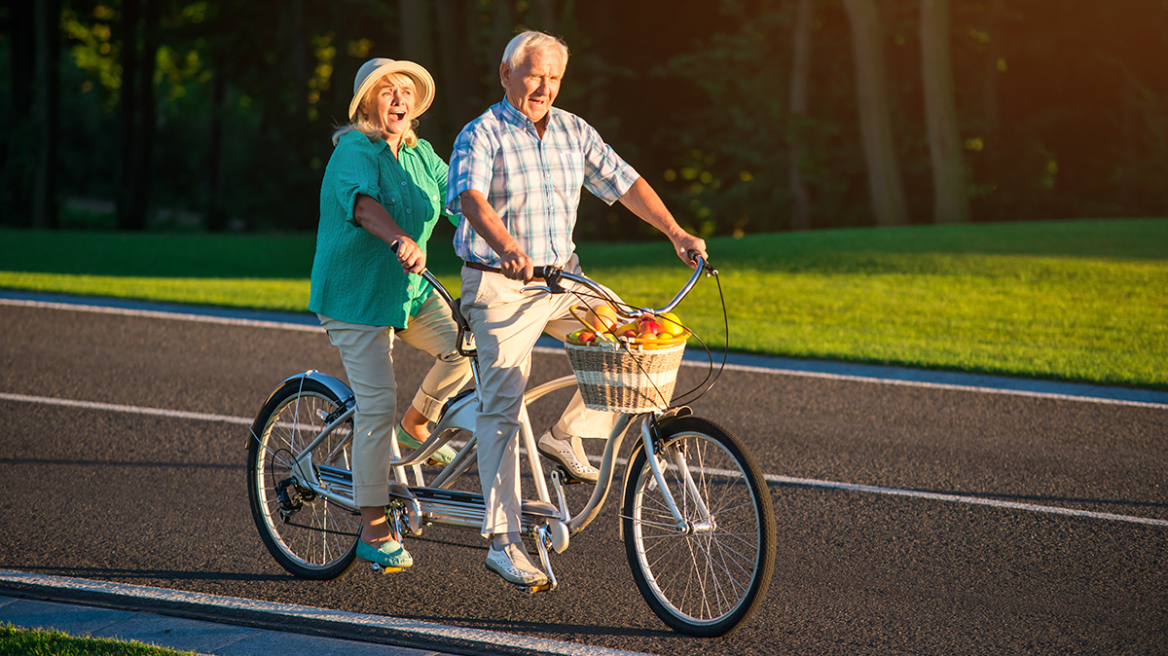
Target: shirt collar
<point>513,116</point>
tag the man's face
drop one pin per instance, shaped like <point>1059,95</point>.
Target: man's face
<point>534,84</point>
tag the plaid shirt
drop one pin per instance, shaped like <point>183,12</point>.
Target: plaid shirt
<point>533,184</point>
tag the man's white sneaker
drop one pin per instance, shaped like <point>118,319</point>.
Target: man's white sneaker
<point>511,562</point>
<point>566,453</point>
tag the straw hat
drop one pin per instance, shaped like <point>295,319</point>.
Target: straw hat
<point>375,69</point>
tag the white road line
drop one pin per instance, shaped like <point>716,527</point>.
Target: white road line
<point>944,386</point>
<point>958,498</point>
<point>155,314</point>
<point>770,478</point>
<point>907,383</point>
<point>480,638</point>
<point>283,325</point>
<point>131,409</point>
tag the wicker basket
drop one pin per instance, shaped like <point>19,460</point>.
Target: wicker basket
<point>618,380</point>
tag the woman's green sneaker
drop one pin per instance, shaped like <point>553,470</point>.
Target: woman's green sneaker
<point>440,457</point>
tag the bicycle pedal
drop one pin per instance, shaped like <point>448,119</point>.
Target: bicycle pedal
<point>379,569</point>
<point>567,478</point>
<point>532,589</point>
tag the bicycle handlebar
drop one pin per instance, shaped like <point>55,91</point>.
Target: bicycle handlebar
<point>552,277</point>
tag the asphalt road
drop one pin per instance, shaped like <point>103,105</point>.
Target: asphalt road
<point>121,495</point>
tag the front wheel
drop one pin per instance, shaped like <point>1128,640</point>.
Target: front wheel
<point>308,535</point>
<point>708,576</point>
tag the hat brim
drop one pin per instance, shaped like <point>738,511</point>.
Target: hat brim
<point>423,82</point>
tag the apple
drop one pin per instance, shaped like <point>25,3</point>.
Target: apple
<point>671,325</point>
<point>650,327</point>
<point>630,332</point>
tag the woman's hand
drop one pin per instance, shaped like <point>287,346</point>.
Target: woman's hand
<point>410,255</point>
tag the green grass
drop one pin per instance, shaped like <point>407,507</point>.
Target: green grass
<point>1071,300</point>
<point>20,642</point>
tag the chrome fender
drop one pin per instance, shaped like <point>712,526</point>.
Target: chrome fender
<point>334,385</point>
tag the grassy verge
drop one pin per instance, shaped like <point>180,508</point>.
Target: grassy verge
<point>1073,300</point>
<point>20,642</point>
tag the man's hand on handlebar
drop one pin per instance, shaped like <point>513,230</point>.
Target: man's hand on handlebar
<point>687,243</point>
<point>516,265</point>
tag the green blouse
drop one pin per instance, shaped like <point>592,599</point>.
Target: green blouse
<point>356,278</point>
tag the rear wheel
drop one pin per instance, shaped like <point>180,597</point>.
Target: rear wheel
<point>708,576</point>
<point>308,535</point>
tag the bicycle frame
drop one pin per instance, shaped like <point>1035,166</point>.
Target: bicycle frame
<point>335,483</point>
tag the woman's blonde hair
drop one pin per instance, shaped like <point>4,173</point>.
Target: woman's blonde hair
<point>360,122</point>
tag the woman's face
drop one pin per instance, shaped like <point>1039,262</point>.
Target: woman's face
<point>390,107</point>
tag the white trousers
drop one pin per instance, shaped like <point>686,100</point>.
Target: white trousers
<point>367,353</point>
<point>506,323</point>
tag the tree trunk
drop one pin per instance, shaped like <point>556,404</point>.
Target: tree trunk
<point>22,55</point>
<point>950,180</point>
<point>800,73</point>
<point>991,155</point>
<point>127,107</point>
<point>299,57</point>
<point>417,44</point>
<point>47,100</point>
<point>502,29</point>
<point>215,217</point>
<point>546,15</point>
<point>458,81</point>
<point>142,143</point>
<point>884,181</point>
<point>17,171</point>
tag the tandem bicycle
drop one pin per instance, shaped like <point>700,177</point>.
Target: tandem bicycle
<point>696,516</point>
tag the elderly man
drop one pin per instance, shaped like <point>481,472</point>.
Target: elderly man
<point>515,179</point>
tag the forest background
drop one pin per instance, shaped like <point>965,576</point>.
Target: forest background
<point>747,115</point>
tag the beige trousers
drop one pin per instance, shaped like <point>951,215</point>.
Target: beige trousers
<point>367,353</point>
<point>506,323</point>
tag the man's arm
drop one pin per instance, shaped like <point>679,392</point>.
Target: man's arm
<point>376,220</point>
<point>646,204</point>
<point>514,263</point>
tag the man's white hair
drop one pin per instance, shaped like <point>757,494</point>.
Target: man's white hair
<point>530,41</point>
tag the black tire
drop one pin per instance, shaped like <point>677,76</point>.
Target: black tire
<point>706,582</point>
<point>309,536</point>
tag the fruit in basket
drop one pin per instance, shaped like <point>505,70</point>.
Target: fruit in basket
<point>650,327</point>
<point>582,336</point>
<point>670,324</point>
<point>602,318</point>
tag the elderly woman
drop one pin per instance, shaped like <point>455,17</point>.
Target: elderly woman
<point>382,186</point>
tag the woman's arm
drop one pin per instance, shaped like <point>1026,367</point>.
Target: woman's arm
<point>376,221</point>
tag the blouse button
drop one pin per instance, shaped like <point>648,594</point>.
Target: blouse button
<point>408,210</point>
<point>403,183</point>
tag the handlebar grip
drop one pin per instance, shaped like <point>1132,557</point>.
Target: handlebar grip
<point>693,256</point>
<point>394,245</point>
<point>546,272</point>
